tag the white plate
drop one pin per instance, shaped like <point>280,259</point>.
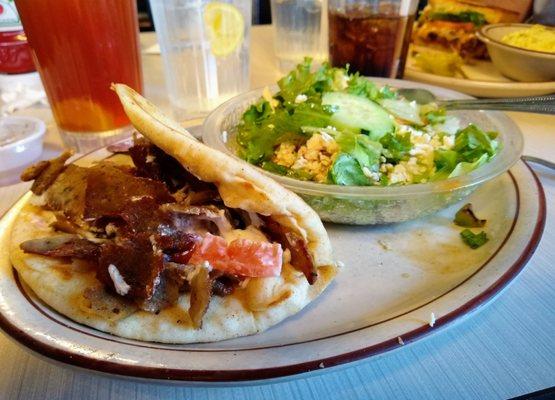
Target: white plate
<point>394,277</point>
<point>484,80</point>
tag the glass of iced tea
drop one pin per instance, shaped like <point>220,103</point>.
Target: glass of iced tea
<point>372,36</point>
<point>80,48</point>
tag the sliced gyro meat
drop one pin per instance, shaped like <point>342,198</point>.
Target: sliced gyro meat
<point>300,256</point>
<point>44,174</point>
<point>62,246</point>
<point>64,224</point>
<point>110,188</point>
<point>207,213</point>
<point>201,293</point>
<point>138,265</point>
<point>33,171</point>
<point>151,162</point>
<point>223,284</point>
<point>172,282</point>
<point>67,193</point>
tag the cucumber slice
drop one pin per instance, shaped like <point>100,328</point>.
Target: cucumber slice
<point>405,110</point>
<point>354,112</point>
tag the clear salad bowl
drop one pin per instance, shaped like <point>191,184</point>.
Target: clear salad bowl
<point>367,205</point>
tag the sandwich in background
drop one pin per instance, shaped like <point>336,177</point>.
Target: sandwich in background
<point>449,27</point>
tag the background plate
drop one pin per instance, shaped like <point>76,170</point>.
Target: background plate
<point>394,278</point>
<point>484,80</point>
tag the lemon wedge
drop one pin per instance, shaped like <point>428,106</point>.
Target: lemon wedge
<point>225,25</point>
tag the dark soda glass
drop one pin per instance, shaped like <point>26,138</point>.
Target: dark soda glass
<point>373,42</point>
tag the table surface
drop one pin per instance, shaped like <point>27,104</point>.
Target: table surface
<point>503,351</point>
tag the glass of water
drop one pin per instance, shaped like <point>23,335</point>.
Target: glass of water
<point>300,28</point>
<point>205,51</point>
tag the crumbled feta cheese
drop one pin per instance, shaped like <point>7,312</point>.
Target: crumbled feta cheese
<point>326,136</point>
<point>122,288</point>
<point>386,167</point>
<point>399,174</point>
<point>301,98</point>
<point>375,176</point>
<point>224,136</point>
<point>448,142</point>
<point>403,129</point>
<point>300,163</point>
<point>421,149</point>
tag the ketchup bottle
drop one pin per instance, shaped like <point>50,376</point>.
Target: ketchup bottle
<point>15,53</point>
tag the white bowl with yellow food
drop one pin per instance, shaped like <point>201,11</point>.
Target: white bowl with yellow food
<point>523,52</point>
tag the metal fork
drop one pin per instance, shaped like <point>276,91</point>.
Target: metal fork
<point>537,104</point>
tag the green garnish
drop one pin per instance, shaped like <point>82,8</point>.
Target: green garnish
<point>396,147</point>
<point>465,217</point>
<point>478,19</point>
<point>473,148</point>
<point>347,171</point>
<point>474,240</point>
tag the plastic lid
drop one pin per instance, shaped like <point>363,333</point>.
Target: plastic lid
<point>20,141</point>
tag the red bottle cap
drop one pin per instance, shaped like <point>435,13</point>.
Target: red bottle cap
<point>15,53</point>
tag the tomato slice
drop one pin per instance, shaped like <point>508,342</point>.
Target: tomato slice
<point>242,257</point>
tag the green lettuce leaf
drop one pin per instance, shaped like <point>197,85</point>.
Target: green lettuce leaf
<point>474,240</point>
<point>472,142</point>
<point>445,162</point>
<point>302,80</point>
<point>366,151</point>
<point>478,19</point>
<point>436,116</point>
<point>396,147</point>
<point>464,167</point>
<point>260,131</point>
<point>465,217</point>
<point>473,148</point>
<point>387,93</point>
<point>347,171</point>
<point>362,87</point>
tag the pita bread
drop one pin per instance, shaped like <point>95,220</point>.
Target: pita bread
<point>72,289</point>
